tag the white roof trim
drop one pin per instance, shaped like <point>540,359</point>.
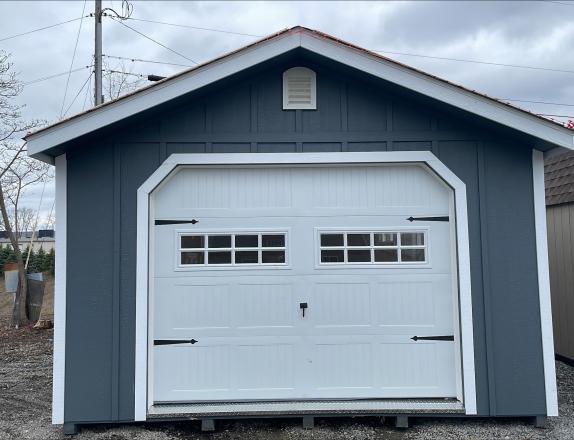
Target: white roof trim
<point>275,46</point>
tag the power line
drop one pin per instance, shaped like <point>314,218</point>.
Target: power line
<point>140,75</point>
<point>518,66</point>
<point>537,102</point>
<point>196,27</point>
<point>560,3</point>
<point>42,28</point>
<point>557,116</point>
<point>78,94</point>
<point>56,75</point>
<point>155,41</point>
<point>87,93</point>
<point>146,61</point>
<point>73,59</point>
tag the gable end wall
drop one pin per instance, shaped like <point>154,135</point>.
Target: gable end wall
<point>244,115</point>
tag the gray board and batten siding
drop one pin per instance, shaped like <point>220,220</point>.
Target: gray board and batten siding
<point>355,112</point>
<point>559,180</point>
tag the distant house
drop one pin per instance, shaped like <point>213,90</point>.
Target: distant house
<point>44,239</point>
<point>559,180</point>
<point>300,228</point>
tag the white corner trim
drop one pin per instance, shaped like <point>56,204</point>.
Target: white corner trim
<point>175,160</point>
<point>278,45</point>
<point>544,283</point>
<point>59,361</point>
<point>142,285</point>
<point>464,285</point>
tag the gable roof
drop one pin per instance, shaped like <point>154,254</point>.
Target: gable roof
<point>559,179</point>
<point>40,141</point>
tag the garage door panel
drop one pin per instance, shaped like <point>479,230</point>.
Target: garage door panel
<point>265,367</point>
<point>224,190</point>
<point>342,366</point>
<point>340,305</point>
<point>180,308</point>
<point>193,310</point>
<point>410,305</point>
<point>182,372</point>
<point>416,369</point>
<point>213,370</point>
<point>375,187</point>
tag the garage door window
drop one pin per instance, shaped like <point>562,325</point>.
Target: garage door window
<point>374,247</point>
<point>233,249</point>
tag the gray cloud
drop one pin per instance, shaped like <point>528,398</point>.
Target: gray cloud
<point>526,33</point>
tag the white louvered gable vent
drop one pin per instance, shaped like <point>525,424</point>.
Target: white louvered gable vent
<point>299,89</point>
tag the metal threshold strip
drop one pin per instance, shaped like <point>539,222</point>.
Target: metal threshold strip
<point>372,406</point>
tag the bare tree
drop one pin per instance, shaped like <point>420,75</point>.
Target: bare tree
<point>17,171</point>
<point>119,80</point>
<point>25,217</point>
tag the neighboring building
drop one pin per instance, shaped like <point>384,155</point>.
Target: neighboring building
<point>44,239</point>
<point>301,227</point>
<point>559,179</point>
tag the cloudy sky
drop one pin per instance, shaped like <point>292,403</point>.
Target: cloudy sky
<point>537,34</point>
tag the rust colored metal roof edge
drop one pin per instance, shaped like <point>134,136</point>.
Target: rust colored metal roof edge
<point>292,30</point>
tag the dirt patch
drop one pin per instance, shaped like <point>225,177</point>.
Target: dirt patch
<point>26,393</point>
<point>7,299</point>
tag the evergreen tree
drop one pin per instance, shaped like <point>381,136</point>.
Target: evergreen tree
<point>40,260</point>
<point>51,261</point>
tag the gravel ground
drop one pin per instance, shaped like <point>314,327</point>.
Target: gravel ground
<point>25,396</point>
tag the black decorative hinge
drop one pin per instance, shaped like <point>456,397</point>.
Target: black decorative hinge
<point>175,222</point>
<point>174,341</point>
<point>433,338</point>
<point>428,219</point>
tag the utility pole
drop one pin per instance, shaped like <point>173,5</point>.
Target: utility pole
<point>98,96</point>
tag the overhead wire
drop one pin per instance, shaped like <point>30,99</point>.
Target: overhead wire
<point>153,40</point>
<point>56,75</point>
<point>139,60</point>
<point>196,27</point>
<point>73,59</point>
<point>556,116</point>
<point>518,66</point>
<point>86,95</point>
<point>491,63</point>
<point>537,102</point>
<point>78,94</point>
<point>141,75</point>
<point>42,28</point>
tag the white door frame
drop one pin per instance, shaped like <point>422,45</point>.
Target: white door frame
<point>144,220</point>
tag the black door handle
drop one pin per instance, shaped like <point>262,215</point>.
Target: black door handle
<point>303,306</point>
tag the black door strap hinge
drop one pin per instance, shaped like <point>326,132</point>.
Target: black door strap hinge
<point>428,219</point>
<point>433,338</point>
<point>175,222</point>
<point>174,341</point>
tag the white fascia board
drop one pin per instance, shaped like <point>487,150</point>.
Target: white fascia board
<point>544,284</point>
<point>440,90</point>
<point>59,361</point>
<point>161,93</point>
<point>387,70</point>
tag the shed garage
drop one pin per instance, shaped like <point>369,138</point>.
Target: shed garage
<point>369,239</point>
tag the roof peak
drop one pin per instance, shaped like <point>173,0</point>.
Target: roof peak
<point>280,43</point>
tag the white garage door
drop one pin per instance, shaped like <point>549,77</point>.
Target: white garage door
<point>302,283</point>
